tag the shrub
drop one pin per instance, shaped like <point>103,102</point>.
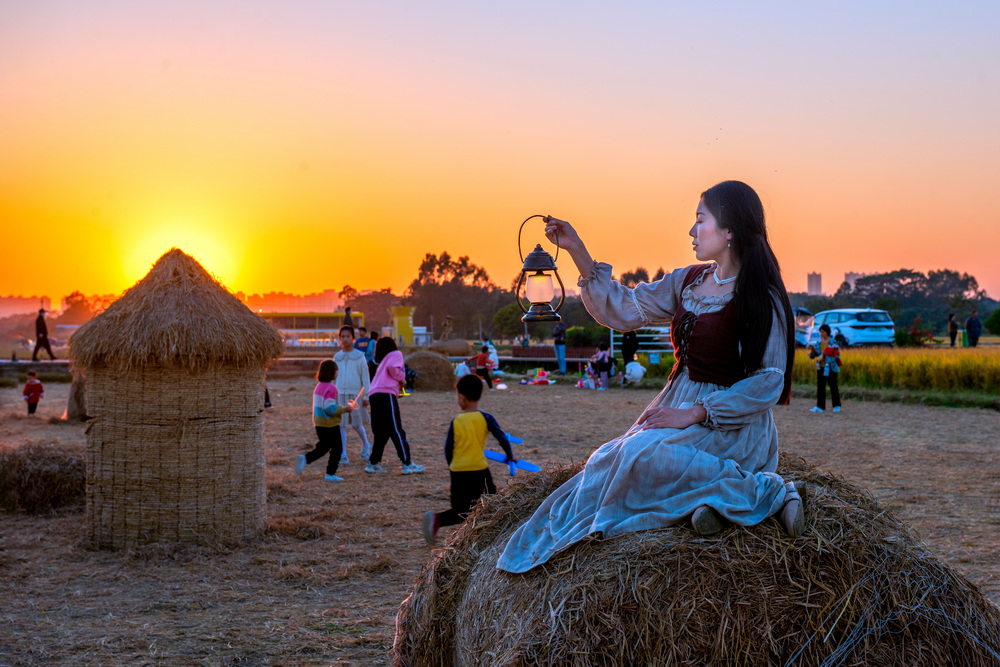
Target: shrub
<point>992,323</point>
<point>586,336</point>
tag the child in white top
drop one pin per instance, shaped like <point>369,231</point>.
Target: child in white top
<point>352,381</point>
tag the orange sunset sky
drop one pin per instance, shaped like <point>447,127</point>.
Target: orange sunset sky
<point>303,146</point>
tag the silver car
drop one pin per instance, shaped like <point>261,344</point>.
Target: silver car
<point>856,326</point>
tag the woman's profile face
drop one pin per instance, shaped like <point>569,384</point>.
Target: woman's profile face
<point>709,241</point>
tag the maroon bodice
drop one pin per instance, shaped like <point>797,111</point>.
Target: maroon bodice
<point>707,344</point>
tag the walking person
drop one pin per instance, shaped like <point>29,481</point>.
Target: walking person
<point>559,343</point>
<point>483,366</point>
<point>952,328</point>
<point>387,424</point>
<point>827,356</point>
<point>353,385</point>
<point>710,431</point>
<point>630,345</point>
<point>467,465</point>
<point>973,328</point>
<point>326,415</point>
<point>42,336</point>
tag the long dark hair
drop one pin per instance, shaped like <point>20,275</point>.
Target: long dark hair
<point>759,288</point>
<point>384,346</point>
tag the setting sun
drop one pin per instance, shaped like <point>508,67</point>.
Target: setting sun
<point>199,240</point>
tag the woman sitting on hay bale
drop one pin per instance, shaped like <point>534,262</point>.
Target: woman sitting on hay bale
<point>706,449</point>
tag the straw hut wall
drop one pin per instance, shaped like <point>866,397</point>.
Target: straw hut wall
<point>175,391</point>
<point>856,588</point>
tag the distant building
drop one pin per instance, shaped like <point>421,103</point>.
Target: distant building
<point>851,277</point>
<point>23,305</point>
<point>815,283</point>
<point>279,302</point>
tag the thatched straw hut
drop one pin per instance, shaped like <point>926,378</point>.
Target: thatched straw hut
<point>857,588</point>
<point>434,372</point>
<point>175,392</point>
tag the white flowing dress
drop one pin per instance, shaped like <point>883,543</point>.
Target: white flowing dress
<point>654,478</point>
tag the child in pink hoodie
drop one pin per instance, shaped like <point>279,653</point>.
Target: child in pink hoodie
<point>386,422</point>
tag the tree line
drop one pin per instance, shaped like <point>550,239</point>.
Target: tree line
<point>446,286</point>
<point>910,297</point>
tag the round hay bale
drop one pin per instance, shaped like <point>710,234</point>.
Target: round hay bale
<point>38,477</point>
<point>434,372</point>
<point>857,588</point>
<point>454,347</point>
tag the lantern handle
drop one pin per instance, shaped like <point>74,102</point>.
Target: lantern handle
<point>519,238</point>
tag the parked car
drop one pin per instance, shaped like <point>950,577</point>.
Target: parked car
<point>851,327</point>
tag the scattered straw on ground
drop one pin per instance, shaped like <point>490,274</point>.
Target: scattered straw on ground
<point>295,598</point>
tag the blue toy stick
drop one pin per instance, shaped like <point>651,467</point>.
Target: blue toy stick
<point>514,440</point>
<point>527,466</point>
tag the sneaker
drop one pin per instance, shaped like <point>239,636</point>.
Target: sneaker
<point>430,527</point>
<point>412,468</point>
<point>837,409</point>
<point>815,409</point>
<point>300,464</point>
<point>374,467</point>
<point>706,521</point>
<point>333,478</point>
<point>344,460</point>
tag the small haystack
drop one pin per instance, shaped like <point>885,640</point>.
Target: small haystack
<point>175,392</point>
<point>857,588</point>
<point>39,477</point>
<point>454,347</point>
<point>435,373</point>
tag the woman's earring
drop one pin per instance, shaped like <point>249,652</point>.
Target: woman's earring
<point>729,245</point>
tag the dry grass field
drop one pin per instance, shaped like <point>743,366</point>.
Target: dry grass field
<point>323,584</point>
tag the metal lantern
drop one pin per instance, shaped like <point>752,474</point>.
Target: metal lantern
<point>536,278</point>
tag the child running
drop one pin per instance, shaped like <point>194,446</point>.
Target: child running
<point>326,419</point>
<point>463,449</point>
<point>386,422</point>
<point>33,392</point>
<point>352,381</point>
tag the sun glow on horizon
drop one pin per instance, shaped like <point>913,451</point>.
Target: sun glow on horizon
<point>214,250</point>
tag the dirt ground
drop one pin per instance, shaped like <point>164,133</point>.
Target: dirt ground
<point>323,585</point>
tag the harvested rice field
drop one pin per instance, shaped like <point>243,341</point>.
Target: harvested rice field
<point>323,585</point>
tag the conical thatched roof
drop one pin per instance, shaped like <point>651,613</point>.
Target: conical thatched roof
<point>177,315</point>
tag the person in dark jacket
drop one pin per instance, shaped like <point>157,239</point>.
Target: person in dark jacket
<point>952,328</point>
<point>41,336</point>
<point>973,328</point>
<point>630,345</point>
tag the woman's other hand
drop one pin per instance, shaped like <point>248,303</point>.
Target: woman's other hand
<point>664,417</point>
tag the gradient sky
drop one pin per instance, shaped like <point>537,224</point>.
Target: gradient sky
<point>306,145</point>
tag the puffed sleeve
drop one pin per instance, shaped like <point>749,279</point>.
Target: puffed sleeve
<point>627,308</point>
<point>736,406</point>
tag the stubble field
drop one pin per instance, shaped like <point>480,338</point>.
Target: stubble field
<point>322,586</point>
